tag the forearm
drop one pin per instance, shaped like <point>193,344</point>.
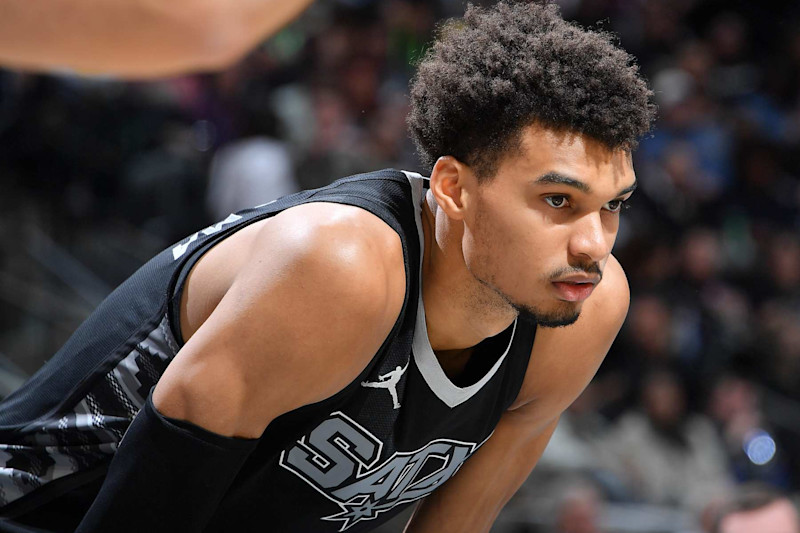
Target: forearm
<point>472,499</point>
<point>167,476</point>
<point>135,38</point>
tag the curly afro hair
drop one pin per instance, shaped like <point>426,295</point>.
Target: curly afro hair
<point>502,68</point>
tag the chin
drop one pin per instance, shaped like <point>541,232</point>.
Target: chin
<point>556,318</point>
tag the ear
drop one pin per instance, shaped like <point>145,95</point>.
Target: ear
<point>451,184</point>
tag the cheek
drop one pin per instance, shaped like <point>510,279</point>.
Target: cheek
<point>477,244</point>
<point>511,250</point>
<point>611,228</point>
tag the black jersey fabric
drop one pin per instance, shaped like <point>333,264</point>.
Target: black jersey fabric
<point>347,463</point>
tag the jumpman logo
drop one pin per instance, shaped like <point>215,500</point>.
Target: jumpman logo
<point>388,381</point>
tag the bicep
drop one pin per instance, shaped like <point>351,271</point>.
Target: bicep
<point>297,325</point>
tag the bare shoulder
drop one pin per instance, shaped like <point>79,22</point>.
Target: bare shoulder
<point>321,288</point>
<point>349,237</point>
<point>564,360</point>
<point>333,248</point>
<point>322,229</point>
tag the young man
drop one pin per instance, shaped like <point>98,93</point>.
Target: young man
<point>325,360</point>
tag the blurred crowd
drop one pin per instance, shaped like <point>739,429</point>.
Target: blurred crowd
<point>701,391</point>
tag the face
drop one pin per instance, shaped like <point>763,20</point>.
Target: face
<point>538,234</point>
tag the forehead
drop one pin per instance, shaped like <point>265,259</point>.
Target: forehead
<point>542,150</point>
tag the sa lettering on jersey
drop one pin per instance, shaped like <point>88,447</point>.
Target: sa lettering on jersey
<point>339,459</point>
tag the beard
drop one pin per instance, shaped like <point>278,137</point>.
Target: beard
<point>558,318</point>
<point>566,314</point>
<point>481,268</point>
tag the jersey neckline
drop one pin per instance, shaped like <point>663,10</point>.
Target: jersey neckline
<point>424,357</point>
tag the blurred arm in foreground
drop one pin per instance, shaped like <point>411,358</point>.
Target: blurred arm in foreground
<point>136,38</point>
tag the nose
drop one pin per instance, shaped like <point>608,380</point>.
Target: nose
<point>591,240</point>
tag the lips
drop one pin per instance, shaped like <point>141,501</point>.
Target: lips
<point>574,291</point>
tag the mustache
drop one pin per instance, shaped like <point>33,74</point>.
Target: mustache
<point>586,268</point>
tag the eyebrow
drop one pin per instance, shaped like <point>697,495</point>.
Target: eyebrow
<point>626,190</point>
<point>561,179</point>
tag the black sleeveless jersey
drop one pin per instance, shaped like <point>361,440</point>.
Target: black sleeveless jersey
<point>348,463</point>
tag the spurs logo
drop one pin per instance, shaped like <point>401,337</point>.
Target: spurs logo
<point>388,381</point>
<point>341,460</point>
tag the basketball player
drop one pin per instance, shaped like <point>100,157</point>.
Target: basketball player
<point>136,38</point>
<point>320,362</point>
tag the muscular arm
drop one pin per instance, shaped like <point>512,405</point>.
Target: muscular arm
<point>313,304</point>
<point>473,498</point>
<point>136,38</point>
<point>304,315</point>
<point>563,361</point>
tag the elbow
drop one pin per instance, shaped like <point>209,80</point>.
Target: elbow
<point>224,49</point>
<point>216,35</point>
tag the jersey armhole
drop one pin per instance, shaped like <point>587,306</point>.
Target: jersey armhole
<point>178,284</point>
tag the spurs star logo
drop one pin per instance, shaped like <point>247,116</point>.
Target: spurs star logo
<point>388,381</point>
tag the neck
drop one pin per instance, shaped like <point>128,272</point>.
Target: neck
<point>460,311</point>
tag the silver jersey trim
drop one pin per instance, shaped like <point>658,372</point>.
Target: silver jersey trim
<point>425,359</point>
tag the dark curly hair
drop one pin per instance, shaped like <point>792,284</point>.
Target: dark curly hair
<point>502,68</point>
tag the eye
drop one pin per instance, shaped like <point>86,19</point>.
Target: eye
<point>615,206</point>
<point>556,202</point>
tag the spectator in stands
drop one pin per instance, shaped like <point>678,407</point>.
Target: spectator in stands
<point>665,454</point>
<point>757,509</point>
<point>579,510</point>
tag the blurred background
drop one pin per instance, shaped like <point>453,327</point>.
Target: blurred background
<point>701,390</point>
